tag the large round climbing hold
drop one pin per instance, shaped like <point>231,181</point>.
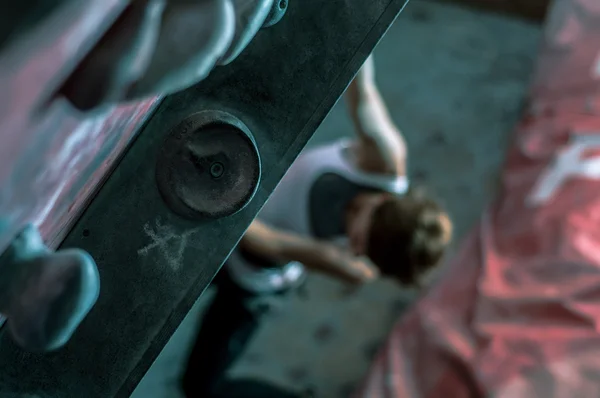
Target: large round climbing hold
<point>209,166</point>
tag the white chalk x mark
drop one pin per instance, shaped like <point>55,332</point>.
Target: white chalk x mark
<point>169,243</point>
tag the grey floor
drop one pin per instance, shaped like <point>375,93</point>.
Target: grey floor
<point>454,80</point>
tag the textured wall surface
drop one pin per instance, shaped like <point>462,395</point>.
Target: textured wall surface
<point>454,80</point>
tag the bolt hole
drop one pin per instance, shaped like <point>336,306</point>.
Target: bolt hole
<point>86,232</point>
<point>217,169</point>
<point>282,4</point>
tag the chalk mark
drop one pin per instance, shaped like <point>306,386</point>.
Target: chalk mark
<point>170,244</point>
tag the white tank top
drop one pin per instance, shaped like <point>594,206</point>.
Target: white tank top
<point>288,208</point>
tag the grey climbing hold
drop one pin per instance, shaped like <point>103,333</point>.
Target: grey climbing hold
<point>277,12</point>
<point>45,295</point>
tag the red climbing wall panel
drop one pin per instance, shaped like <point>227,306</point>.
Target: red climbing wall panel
<point>52,158</point>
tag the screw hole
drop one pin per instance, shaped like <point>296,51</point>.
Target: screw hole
<point>216,170</point>
<point>282,4</point>
<point>86,232</point>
